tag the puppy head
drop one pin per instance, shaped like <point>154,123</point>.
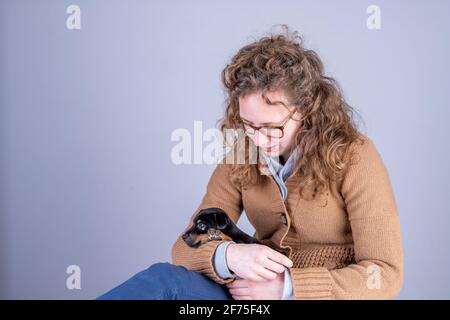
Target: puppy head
<point>207,226</point>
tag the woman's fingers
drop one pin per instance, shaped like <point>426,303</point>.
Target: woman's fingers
<point>241,283</point>
<point>257,278</point>
<point>240,291</point>
<point>273,266</point>
<point>280,258</point>
<point>264,273</point>
<point>242,298</point>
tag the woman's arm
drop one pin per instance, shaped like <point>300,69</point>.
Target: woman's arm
<point>220,193</point>
<point>372,211</point>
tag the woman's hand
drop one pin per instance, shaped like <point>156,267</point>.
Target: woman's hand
<point>256,262</point>
<point>242,289</point>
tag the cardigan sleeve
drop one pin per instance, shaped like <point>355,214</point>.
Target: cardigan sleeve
<point>220,193</point>
<point>220,261</point>
<point>374,220</point>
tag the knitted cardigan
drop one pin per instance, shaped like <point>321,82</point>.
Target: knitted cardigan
<point>345,244</point>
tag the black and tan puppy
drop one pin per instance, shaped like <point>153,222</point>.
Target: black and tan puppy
<point>214,224</point>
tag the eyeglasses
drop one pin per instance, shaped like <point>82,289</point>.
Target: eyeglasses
<point>272,131</point>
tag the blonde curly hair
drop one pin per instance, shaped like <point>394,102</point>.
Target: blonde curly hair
<point>327,128</point>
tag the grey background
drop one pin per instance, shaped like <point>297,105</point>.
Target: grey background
<point>86,116</point>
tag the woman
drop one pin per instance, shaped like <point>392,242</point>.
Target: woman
<point>318,194</point>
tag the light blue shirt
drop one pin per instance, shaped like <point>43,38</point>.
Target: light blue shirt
<point>280,173</point>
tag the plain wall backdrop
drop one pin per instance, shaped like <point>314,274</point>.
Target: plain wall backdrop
<point>86,116</point>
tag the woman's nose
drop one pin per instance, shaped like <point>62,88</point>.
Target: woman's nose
<point>261,140</point>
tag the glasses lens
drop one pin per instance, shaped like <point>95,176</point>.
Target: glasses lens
<point>271,132</point>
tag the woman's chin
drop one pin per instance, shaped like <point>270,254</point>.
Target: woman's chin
<point>273,152</point>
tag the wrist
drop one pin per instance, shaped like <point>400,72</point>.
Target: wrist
<point>228,254</point>
<point>220,263</point>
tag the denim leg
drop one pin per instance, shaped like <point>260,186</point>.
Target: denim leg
<point>166,281</point>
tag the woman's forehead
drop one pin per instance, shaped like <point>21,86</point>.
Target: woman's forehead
<point>255,109</point>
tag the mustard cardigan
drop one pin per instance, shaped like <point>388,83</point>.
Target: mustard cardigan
<point>344,245</point>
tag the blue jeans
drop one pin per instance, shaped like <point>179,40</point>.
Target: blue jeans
<point>165,281</point>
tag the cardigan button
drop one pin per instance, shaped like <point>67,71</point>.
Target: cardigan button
<point>283,219</point>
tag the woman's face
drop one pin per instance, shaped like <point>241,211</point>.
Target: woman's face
<point>254,109</point>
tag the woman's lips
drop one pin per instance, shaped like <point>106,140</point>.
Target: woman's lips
<point>269,149</point>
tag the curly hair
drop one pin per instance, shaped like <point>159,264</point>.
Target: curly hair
<point>327,128</point>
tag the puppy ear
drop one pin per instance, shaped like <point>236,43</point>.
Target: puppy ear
<point>222,221</point>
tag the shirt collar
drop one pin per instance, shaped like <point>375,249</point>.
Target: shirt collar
<point>275,166</point>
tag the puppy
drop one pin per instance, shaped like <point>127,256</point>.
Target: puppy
<point>214,224</point>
